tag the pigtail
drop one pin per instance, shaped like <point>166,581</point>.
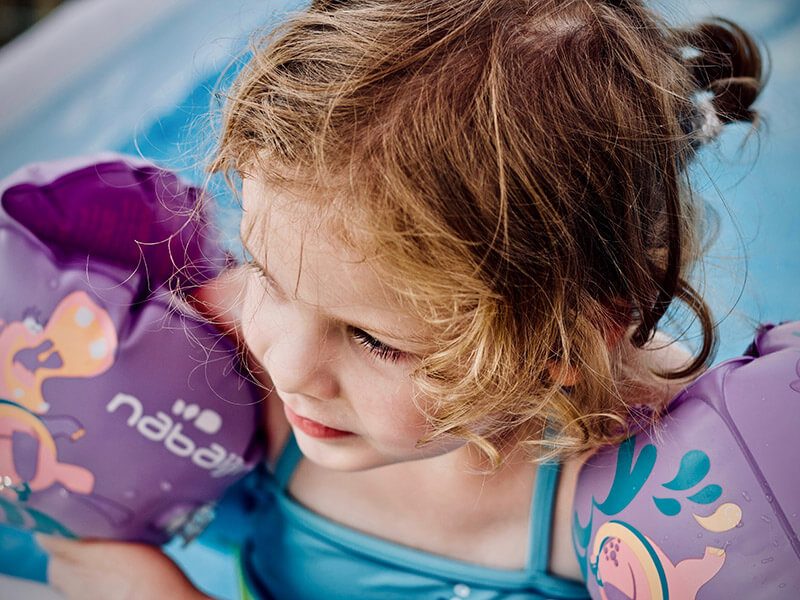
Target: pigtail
<point>725,61</point>
<point>725,69</point>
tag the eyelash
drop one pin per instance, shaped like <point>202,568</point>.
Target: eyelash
<point>253,267</point>
<point>372,345</point>
<point>376,347</point>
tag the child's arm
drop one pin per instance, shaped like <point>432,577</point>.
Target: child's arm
<point>705,505</point>
<point>102,570</point>
<point>106,570</point>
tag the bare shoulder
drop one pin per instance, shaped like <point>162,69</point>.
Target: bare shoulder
<point>661,354</point>
<point>664,353</point>
<point>563,561</point>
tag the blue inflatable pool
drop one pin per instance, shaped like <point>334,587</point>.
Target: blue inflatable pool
<point>139,77</point>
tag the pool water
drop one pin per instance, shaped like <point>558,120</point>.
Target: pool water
<point>147,90</point>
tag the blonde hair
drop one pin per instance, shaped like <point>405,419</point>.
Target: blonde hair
<point>519,168</point>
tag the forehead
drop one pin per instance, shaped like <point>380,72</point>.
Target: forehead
<point>303,249</point>
<point>284,226</point>
<point>269,208</point>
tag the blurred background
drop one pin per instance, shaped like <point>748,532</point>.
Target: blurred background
<point>17,15</point>
<point>145,77</point>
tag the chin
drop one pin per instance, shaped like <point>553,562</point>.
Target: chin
<point>347,455</point>
<point>355,454</point>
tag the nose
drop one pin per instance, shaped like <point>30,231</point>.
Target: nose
<point>299,358</point>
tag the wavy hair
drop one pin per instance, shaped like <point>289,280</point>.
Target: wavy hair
<point>518,170</point>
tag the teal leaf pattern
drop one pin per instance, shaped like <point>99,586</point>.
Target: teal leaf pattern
<point>581,534</point>
<point>694,466</point>
<point>668,506</point>
<point>580,540</point>
<point>707,495</point>
<point>628,480</point>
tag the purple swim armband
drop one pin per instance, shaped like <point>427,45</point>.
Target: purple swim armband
<point>707,505</point>
<point>122,413</point>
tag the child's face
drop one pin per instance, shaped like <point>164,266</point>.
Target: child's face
<point>336,342</point>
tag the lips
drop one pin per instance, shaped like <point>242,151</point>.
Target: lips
<point>313,428</point>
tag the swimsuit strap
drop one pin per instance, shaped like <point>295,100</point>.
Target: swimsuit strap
<point>544,493</point>
<point>287,462</point>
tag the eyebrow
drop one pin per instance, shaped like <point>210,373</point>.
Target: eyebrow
<point>367,328</point>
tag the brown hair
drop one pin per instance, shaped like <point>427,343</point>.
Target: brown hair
<point>519,168</point>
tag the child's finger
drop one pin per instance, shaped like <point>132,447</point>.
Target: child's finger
<point>56,545</point>
<point>72,580</point>
<point>58,571</point>
<point>61,563</point>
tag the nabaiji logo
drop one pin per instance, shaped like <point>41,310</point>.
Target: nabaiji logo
<point>169,430</point>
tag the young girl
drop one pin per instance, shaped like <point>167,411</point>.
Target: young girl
<point>467,220</point>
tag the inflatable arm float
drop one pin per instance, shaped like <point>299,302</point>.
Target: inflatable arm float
<point>707,505</point>
<point>123,412</point>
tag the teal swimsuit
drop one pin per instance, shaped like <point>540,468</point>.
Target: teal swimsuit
<point>294,553</point>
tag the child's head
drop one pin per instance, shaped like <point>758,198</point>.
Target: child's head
<point>516,171</point>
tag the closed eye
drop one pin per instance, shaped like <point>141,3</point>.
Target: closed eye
<point>376,347</point>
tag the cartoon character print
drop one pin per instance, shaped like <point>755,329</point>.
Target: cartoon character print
<point>629,565</point>
<point>29,457</point>
<point>79,340</point>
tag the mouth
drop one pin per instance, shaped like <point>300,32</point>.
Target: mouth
<point>313,428</point>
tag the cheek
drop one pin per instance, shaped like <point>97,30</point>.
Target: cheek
<point>408,425</point>
<point>391,414</point>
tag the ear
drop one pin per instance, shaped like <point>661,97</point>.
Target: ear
<point>615,325</point>
<point>565,374</point>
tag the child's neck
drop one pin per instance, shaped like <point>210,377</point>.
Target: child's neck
<point>469,515</point>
